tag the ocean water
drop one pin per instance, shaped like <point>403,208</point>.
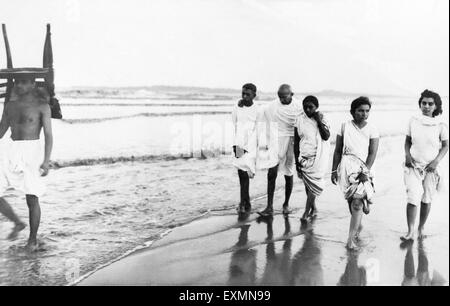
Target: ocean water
<point>128,171</point>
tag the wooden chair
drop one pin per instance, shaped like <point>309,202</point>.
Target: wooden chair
<point>44,74</point>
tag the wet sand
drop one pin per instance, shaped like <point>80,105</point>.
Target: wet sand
<point>222,250</point>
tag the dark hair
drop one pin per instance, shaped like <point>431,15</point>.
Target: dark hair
<point>436,98</point>
<point>250,86</point>
<point>311,99</point>
<point>358,102</point>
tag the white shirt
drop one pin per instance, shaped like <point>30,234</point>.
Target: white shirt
<point>356,140</point>
<point>245,125</point>
<point>427,134</point>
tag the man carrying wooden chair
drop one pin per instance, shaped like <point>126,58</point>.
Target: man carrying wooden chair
<point>27,111</point>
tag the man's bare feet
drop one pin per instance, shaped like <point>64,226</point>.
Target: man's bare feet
<point>304,218</point>
<point>358,232</point>
<point>313,213</point>
<point>16,230</point>
<point>32,246</point>
<point>352,246</point>
<point>421,234</point>
<point>286,210</point>
<point>241,209</point>
<point>266,212</point>
<point>408,237</point>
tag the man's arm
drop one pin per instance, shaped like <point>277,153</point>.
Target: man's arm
<point>296,148</point>
<point>373,149</point>
<point>4,122</point>
<point>234,121</point>
<point>48,134</point>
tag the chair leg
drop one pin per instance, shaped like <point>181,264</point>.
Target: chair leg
<point>48,52</point>
<point>9,64</point>
<point>8,50</point>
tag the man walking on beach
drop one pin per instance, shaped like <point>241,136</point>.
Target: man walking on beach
<point>244,116</point>
<point>26,114</point>
<point>280,118</point>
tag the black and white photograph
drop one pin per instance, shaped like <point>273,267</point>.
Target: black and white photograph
<point>235,144</point>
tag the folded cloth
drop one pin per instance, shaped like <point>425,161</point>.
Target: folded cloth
<point>349,171</point>
<point>421,186</point>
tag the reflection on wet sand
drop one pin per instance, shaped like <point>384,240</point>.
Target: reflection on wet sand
<point>354,275</point>
<point>306,265</point>
<point>276,271</point>
<point>281,269</point>
<point>422,277</point>
<point>282,266</point>
<point>243,261</point>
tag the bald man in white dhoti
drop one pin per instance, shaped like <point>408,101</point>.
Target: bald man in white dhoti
<point>279,118</point>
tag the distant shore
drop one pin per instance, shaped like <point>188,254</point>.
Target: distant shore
<point>191,93</point>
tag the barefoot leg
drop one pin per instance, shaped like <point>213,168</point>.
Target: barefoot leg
<point>354,223</point>
<point>271,184</point>
<point>305,215</point>
<point>8,212</point>
<point>244,181</point>
<point>35,219</point>
<point>288,189</point>
<point>358,232</point>
<point>312,204</point>
<point>424,213</point>
<point>411,212</point>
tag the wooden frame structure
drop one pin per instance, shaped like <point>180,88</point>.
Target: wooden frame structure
<point>45,74</point>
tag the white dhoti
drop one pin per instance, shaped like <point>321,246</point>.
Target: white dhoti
<point>281,154</point>
<point>20,166</point>
<point>277,142</point>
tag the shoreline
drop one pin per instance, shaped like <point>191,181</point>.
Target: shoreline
<point>205,251</point>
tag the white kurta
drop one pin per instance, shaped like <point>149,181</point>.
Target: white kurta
<point>245,136</point>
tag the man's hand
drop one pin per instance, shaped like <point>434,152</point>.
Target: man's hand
<point>409,161</point>
<point>45,168</point>
<point>431,166</point>
<point>241,103</point>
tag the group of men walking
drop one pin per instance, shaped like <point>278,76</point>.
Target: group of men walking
<point>287,136</point>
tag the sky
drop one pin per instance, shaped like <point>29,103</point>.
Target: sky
<point>364,46</point>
